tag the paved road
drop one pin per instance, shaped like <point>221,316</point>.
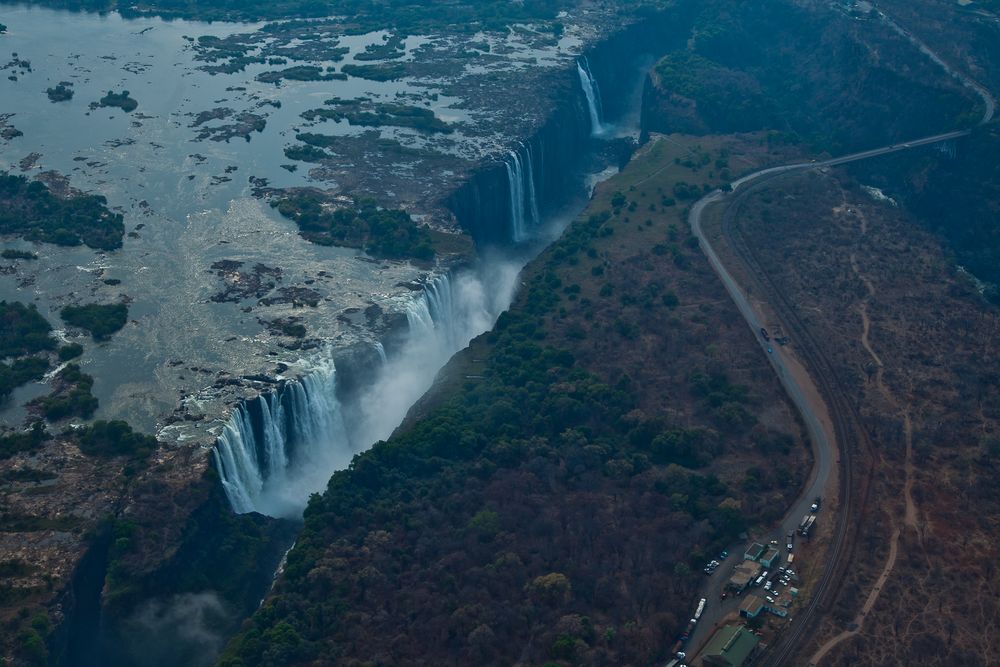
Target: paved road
<point>966,81</point>
<point>799,389</point>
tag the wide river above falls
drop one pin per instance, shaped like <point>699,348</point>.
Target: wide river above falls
<point>187,204</point>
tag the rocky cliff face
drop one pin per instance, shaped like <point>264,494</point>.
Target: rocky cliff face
<point>171,575</point>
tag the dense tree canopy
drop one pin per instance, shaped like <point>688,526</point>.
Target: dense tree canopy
<point>30,210</point>
<point>378,231</point>
<point>101,320</point>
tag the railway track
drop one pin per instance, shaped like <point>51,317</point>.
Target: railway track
<point>851,436</point>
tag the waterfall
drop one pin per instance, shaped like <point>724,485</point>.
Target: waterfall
<point>532,197</point>
<point>523,195</point>
<point>381,352</point>
<point>593,94</point>
<point>515,183</point>
<point>276,450</point>
<point>267,455</point>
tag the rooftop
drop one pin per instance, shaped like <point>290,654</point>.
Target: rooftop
<point>751,606</point>
<point>731,645</point>
<point>744,573</point>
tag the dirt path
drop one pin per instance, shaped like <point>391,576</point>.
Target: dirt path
<point>910,518</point>
<point>910,513</point>
<point>873,595</point>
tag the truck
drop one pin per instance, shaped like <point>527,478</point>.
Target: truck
<point>805,521</point>
<point>807,526</point>
<point>700,609</point>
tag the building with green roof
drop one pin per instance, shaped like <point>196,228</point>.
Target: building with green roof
<point>730,646</point>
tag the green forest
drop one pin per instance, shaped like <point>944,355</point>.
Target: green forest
<point>121,100</point>
<point>23,332</point>
<point>101,320</point>
<point>381,232</point>
<point>28,209</point>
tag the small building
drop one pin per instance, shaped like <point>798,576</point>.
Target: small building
<point>754,552</point>
<point>770,558</point>
<point>752,606</point>
<point>730,646</point>
<point>777,608</point>
<point>743,575</point>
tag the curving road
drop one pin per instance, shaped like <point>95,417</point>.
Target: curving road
<point>966,81</point>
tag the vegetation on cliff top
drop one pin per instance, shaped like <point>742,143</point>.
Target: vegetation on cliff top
<point>14,443</point>
<point>114,438</point>
<point>29,209</point>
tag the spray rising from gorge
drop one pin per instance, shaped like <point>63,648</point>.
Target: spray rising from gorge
<point>278,449</point>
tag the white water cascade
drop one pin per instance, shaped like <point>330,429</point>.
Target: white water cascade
<point>523,198</point>
<point>516,187</point>
<point>277,450</point>
<point>593,94</point>
<point>267,452</point>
